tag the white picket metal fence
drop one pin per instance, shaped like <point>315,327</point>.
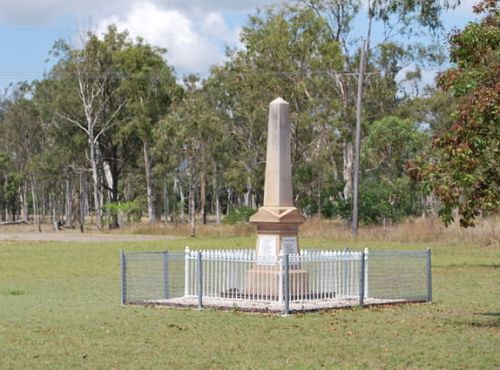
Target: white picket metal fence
<point>228,274</point>
<point>312,279</point>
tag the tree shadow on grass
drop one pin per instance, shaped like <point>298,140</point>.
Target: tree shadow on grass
<point>486,320</point>
<point>493,314</point>
<point>473,265</point>
<point>480,320</point>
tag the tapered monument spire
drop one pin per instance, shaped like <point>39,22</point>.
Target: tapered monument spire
<point>278,219</point>
<point>278,183</point>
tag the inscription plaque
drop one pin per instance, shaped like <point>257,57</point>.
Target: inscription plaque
<point>267,249</point>
<point>289,245</point>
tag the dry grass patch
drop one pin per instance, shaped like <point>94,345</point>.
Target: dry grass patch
<point>413,230</point>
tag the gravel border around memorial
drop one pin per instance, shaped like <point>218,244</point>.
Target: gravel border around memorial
<point>276,307</point>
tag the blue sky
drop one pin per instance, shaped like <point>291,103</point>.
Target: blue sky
<point>194,31</point>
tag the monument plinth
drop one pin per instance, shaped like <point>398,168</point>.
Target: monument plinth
<point>277,220</point>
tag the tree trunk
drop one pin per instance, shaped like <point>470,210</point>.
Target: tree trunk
<point>203,198</point>
<point>174,205</point>
<point>111,173</point>
<point>166,208</point>
<point>24,202</point>
<point>95,179</point>
<point>85,197</point>
<point>217,201</point>
<point>347,173</point>
<point>183,200</point>
<point>69,204</point>
<point>54,214</point>
<point>192,209</point>
<point>229,199</point>
<point>82,199</point>
<point>248,201</point>
<point>152,214</point>
<point>43,210</point>
<point>36,211</point>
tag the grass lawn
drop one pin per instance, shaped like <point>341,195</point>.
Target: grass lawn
<point>60,309</point>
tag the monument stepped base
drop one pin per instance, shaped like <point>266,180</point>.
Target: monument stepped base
<point>264,281</point>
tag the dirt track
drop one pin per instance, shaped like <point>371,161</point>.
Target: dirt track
<point>74,236</point>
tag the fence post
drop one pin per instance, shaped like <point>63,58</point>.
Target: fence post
<point>123,277</point>
<point>186,271</point>
<point>362,281</point>
<point>199,272</point>
<point>286,283</point>
<point>281,277</point>
<point>348,291</point>
<point>165,274</point>
<point>366,273</point>
<point>429,276</point>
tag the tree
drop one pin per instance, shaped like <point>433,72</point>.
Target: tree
<point>96,79</point>
<point>464,172</point>
<point>150,88</point>
<point>114,90</point>
<point>389,144</point>
<point>191,130</point>
<point>387,193</point>
<point>402,18</point>
<point>21,139</point>
<point>287,53</point>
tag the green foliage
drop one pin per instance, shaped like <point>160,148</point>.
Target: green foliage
<point>379,201</point>
<point>464,172</point>
<point>112,115</point>
<point>239,215</point>
<point>14,291</point>
<point>129,211</point>
<point>10,192</point>
<point>284,48</point>
<point>389,144</point>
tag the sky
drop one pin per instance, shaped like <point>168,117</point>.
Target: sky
<point>195,32</point>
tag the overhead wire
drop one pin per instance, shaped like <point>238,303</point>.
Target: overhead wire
<point>153,75</point>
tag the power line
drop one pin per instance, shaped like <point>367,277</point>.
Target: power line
<point>84,30</point>
<point>153,75</point>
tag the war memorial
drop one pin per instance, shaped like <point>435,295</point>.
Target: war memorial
<point>278,275</point>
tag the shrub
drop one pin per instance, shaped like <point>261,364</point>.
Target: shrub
<point>239,215</point>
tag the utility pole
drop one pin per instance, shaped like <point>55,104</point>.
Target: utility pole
<point>357,142</point>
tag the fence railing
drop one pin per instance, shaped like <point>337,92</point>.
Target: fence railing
<point>308,280</point>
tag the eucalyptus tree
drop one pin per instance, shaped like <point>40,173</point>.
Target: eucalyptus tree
<point>190,130</point>
<point>223,148</point>
<point>286,53</point>
<point>114,90</point>
<point>95,80</point>
<point>401,22</point>
<point>61,167</point>
<point>21,139</point>
<point>389,144</point>
<point>150,88</point>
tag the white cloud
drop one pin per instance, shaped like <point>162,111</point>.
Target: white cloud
<point>193,44</point>
<point>218,5</point>
<point>215,25</point>
<point>36,12</point>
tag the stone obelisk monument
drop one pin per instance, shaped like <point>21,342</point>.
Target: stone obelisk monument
<point>277,220</point>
